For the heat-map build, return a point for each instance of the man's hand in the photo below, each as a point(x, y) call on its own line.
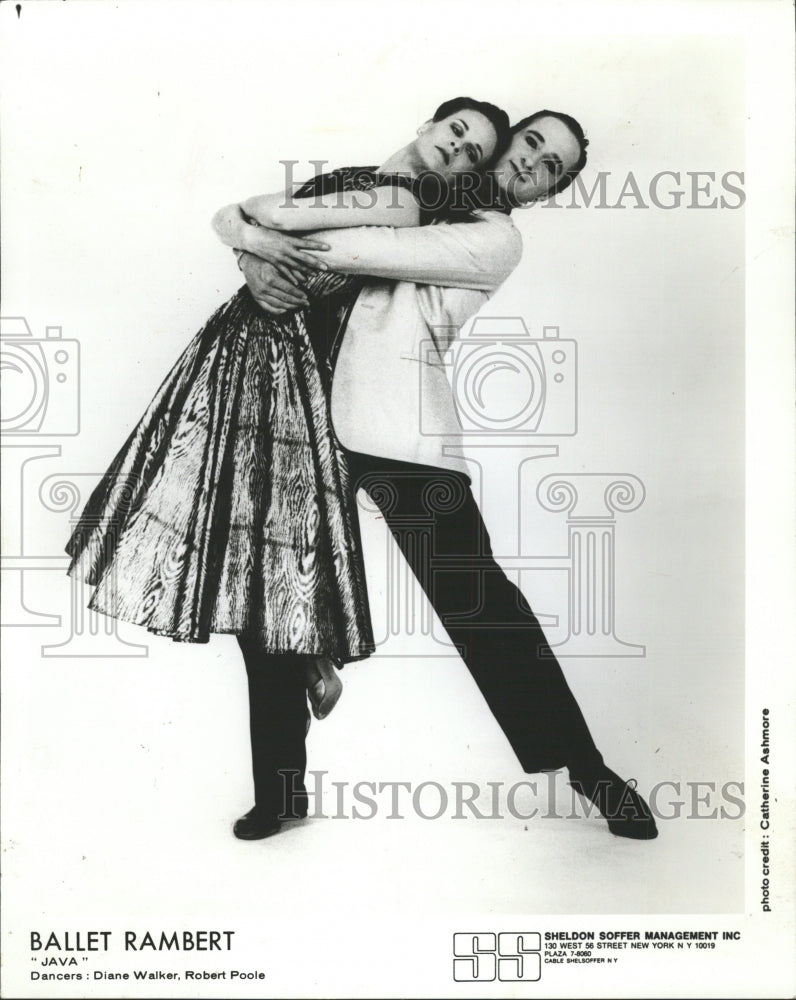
point(273, 292)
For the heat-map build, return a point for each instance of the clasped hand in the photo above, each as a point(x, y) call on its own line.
point(275, 264)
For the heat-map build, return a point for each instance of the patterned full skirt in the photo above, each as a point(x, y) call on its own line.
point(229, 508)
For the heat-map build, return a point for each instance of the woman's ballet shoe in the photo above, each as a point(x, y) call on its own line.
point(324, 687)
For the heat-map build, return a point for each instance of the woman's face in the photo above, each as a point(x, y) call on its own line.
point(464, 141)
point(538, 155)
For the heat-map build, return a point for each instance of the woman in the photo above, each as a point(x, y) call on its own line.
point(228, 508)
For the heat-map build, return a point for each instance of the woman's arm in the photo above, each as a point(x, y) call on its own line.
point(387, 205)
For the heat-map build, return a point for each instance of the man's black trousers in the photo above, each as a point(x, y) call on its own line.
point(437, 524)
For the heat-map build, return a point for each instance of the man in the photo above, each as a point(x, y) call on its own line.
point(439, 276)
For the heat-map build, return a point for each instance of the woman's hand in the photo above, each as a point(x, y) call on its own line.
point(271, 291)
point(288, 254)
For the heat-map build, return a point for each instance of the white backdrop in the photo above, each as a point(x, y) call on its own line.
point(124, 127)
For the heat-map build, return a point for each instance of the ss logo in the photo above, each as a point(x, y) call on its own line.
point(509, 957)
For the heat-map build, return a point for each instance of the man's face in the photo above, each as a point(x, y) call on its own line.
point(538, 156)
point(464, 141)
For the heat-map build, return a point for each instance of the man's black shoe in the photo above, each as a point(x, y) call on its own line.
point(628, 815)
point(259, 823)
point(256, 825)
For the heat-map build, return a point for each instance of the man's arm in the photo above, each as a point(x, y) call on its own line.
point(380, 206)
point(252, 223)
point(479, 254)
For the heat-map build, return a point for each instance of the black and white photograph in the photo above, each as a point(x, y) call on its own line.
point(397, 515)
